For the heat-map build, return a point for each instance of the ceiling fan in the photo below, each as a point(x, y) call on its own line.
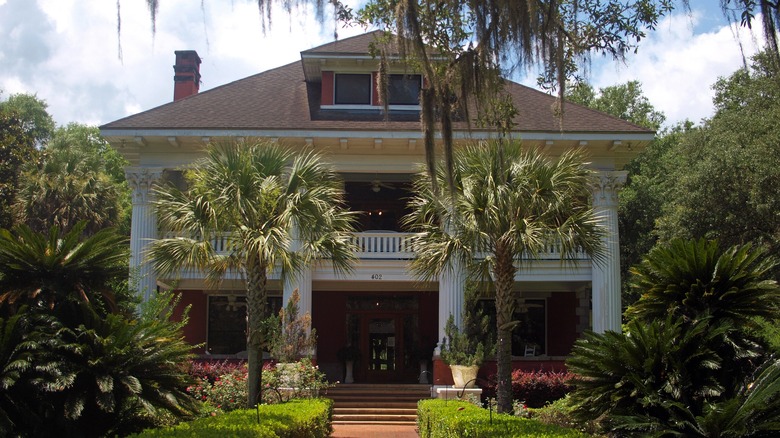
point(377, 185)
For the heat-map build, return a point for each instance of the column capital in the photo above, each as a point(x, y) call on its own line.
point(606, 187)
point(141, 180)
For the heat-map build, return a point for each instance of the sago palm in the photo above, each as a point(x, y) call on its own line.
point(698, 282)
point(119, 375)
point(54, 269)
point(262, 197)
point(508, 206)
point(695, 279)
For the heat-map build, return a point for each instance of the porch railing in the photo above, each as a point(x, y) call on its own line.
point(390, 245)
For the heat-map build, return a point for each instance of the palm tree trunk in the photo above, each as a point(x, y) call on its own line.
point(504, 272)
point(256, 312)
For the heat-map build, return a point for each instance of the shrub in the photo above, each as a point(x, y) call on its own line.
point(451, 419)
point(297, 380)
point(210, 370)
point(298, 418)
point(537, 388)
point(229, 391)
point(560, 413)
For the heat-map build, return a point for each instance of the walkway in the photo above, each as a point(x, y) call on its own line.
point(373, 431)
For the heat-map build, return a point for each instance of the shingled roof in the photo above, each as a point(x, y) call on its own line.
point(281, 99)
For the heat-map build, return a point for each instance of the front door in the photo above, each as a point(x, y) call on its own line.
point(385, 328)
point(383, 346)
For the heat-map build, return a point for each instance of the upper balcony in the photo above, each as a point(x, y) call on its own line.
point(392, 245)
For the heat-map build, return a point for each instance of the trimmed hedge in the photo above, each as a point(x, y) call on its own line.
point(457, 419)
point(310, 418)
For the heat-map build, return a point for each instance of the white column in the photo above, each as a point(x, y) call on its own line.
point(143, 228)
point(452, 285)
point(606, 275)
point(301, 281)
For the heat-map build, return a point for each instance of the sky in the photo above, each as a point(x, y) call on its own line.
point(67, 52)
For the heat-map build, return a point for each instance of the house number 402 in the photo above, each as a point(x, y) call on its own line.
point(376, 276)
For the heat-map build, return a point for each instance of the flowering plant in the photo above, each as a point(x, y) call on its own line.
point(520, 409)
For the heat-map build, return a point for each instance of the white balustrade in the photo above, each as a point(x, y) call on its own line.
point(390, 245)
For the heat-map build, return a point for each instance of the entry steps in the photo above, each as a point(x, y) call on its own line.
point(356, 403)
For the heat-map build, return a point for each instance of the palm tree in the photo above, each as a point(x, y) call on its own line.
point(75, 180)
point(55, 270)
point(508, 206)
point(263, 197)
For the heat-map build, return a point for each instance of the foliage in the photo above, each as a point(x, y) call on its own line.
point(475, 341)
point(293, 338)
point(17, 146)
point(444, 419)
point(300, 379)
point(538, 388)
point(275, 208)
point(560, 413)
point(309, 418)
point(120, 374)
point(458, 348)
point(661, 379)
point(624, 101)
point(228, 390)
point(210, 370)
point(643, 198)
point(691, 280)
point(25, 370)
point(54, 270)
point(688, 363)
point(79, 177)
point(507, 207)
point(100, 376)
point(36, 120)
point(725, 177)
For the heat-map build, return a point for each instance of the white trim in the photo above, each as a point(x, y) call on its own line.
point(375, 133)
point(371, 107)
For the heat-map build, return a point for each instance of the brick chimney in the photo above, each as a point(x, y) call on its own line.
point(186, 79)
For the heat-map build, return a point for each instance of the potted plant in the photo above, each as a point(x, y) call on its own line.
point(464, 349)
point(463, 355)
point(349, 355)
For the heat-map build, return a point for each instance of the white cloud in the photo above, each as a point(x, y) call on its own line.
point(67, 51)
point(677, 68)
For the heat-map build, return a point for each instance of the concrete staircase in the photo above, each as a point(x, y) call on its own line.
point(376, 404)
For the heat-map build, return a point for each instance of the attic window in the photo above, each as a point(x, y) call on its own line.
point(404, 89)
point(353, 89)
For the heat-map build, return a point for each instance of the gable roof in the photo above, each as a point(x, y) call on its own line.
point(281, 99)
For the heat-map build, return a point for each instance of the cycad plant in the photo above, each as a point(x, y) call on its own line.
point(54, 269)
point(687, 364)
point(276, 209)
point(120, 375)
point(506, 207)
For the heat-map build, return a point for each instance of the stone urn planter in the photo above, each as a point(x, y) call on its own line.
point(464, 376)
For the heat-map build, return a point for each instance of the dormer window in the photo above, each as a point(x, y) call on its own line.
point(359, 91)
point(353, 89)
point(404, 89)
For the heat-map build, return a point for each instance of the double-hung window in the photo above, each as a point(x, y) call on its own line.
point(353, 89)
